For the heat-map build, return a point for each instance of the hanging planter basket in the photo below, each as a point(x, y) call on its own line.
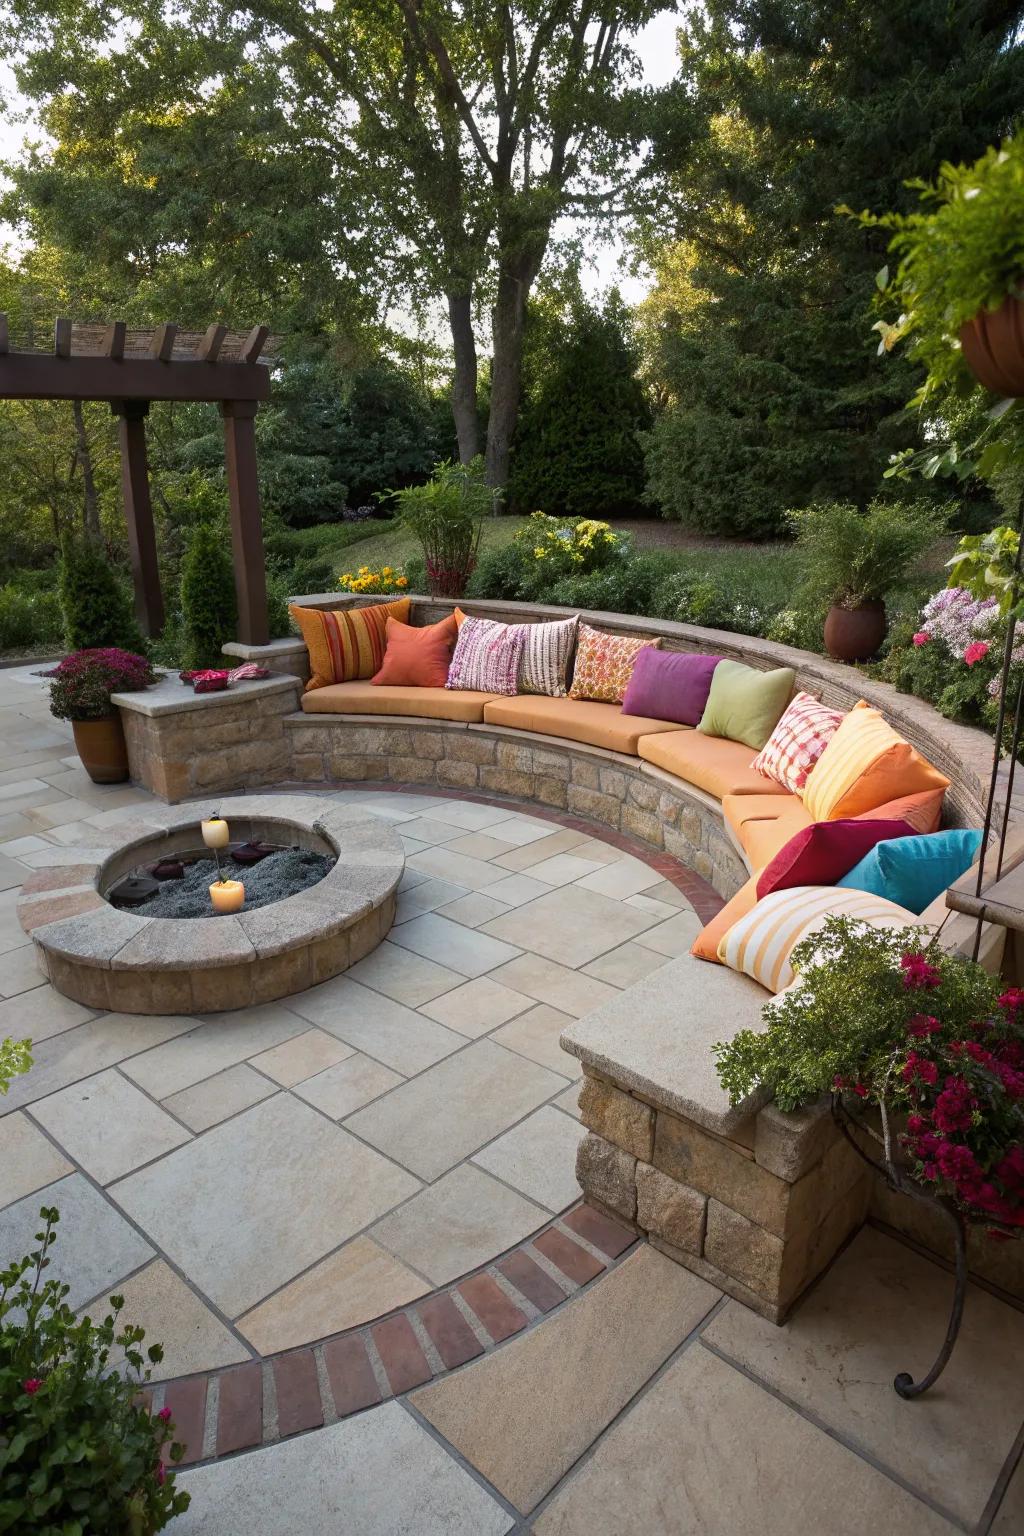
point(993, 347)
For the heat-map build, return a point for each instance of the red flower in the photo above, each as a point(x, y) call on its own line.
point(922, 637)
point(920, 1069)
point(32, 1385)
point(160, 1473)
point(954, 1106)
point(921, 1025)
point(976, 651)
point(860, 1090)
point(165, 1415)
point(918, 973)
point(1012, 1000)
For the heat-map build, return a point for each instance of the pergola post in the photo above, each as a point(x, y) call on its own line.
point(138, 509)
point(246, 523)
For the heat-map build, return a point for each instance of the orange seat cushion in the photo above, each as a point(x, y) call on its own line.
point(705, 945)
point(712, 763)
point(764, 824)
point(417, 656)
point(600, 725)
point(366, 698)
point(345, 644)
point(923, 811)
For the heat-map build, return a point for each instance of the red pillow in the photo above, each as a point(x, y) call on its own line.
point(418, 657)
point(824, 852)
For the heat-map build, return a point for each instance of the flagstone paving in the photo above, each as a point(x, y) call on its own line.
point(385, 1158)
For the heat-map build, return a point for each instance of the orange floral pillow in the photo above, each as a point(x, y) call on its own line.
point(604, 664)
point(346, 644)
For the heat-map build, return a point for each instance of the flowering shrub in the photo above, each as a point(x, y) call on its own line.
point(570, 546)
point(79, 1452)
point(952, 655)
point(386, 579)
point(891, 1019)
point(83, 683)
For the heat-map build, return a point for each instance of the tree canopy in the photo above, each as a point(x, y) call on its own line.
point(759, 327)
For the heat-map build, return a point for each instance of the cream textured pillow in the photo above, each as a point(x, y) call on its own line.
point(761, 943)
point(546, 655)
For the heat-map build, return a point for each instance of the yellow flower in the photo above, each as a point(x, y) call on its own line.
point(540, 552)
point(402, 581)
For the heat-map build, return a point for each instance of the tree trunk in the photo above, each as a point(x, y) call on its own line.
point(515, 278)
point(460, 316)
point(91, 505)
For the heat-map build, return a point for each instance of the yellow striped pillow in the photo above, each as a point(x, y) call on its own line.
point(346, 644)
point(761, 943)
point(864, 765)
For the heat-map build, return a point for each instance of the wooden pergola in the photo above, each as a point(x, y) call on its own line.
point(130, 369)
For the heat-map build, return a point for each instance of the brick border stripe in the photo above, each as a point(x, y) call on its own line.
point(237, 1408)
point(701, 895)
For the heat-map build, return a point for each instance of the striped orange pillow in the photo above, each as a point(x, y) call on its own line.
point(865, 765)
point(346, 644)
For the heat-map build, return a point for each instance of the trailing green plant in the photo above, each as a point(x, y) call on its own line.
point(95, 605)
point(209, 608)
point(15, 1058)
point(963, 254)
point(446, 515)
point(890, 1019)
point(848, 557)
point(82, 684)
point(81, 1454)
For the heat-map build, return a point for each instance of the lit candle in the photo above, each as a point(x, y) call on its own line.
point(227, 895)
point(215, 832)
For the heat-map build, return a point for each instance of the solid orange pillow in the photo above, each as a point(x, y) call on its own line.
point(417, 657)
point(705, 945)
point(345, 644)
point(922, 811)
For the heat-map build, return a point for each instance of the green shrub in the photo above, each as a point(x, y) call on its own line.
point(28, 618)
point(208, 604)
point(79, 1453)
point(627, 586)
point(94, 604)
point(15, 1058)
point(848, 557)
point(278, 621)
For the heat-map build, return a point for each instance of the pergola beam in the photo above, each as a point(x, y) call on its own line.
point(113, 341)
point(43, 376)
point(209, 347)
point(62, 336)
point(163, 342)
point(254, 343)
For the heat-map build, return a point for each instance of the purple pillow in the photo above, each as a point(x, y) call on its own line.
point(669, 685)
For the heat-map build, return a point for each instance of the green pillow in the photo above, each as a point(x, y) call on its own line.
point(745, 704)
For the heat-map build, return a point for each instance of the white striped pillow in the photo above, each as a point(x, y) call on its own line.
point(545, 665)
point(760, 944)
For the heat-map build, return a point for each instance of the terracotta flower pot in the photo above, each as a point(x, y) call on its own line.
point(993, 344)
point(102, 748)
point(855, 634)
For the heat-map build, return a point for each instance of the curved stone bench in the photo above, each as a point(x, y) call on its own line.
point(752, 1199)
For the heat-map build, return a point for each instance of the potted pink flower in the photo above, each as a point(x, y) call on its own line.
point(81, 688)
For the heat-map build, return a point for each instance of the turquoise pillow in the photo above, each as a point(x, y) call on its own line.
point(912, 871)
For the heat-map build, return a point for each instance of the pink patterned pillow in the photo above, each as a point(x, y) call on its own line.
point(487, 656)
point(797, 742)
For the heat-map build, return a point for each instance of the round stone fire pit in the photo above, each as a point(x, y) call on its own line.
point(117, 958)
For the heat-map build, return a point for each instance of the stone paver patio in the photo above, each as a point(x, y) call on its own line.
point(258, 1180)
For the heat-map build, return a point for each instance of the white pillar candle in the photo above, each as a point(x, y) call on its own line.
point(227, 895)
point(215, 832)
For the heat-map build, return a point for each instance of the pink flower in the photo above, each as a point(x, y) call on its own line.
point(165, 1415)
point(160, 1472)
point(976, 651)
point(922, 637)
point(31, 1386)
point(918, 973)
point(918, 1067)
point(860, 1090)
point(922, 1024)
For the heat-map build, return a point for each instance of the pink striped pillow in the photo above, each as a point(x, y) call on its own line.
point(487, 657)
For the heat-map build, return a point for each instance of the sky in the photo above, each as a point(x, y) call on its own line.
point(655, 46)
